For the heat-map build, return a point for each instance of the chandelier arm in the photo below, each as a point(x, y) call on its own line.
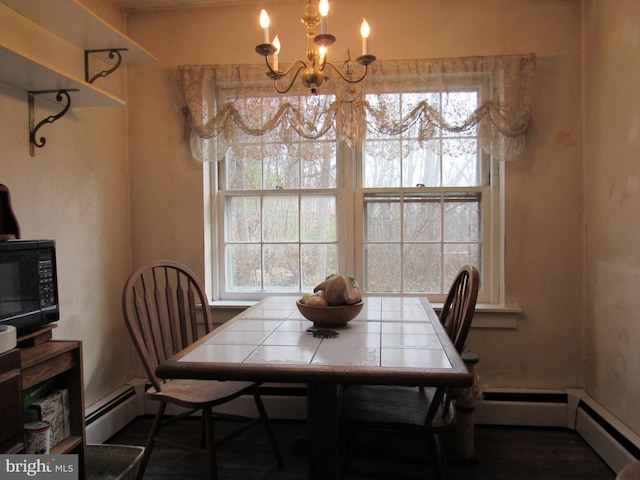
point(345, 78)
point(277, 74)
point(295, 75)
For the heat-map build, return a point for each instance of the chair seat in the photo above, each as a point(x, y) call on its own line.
point(393, 407)
point(199, 393)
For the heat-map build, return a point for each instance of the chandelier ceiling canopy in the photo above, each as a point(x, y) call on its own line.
point(313, 71)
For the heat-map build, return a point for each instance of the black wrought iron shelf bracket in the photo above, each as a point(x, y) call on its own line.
point(61, 94)
point(113, 53)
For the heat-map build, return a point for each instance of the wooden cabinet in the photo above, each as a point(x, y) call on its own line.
point(29, 366)
point(11, 433)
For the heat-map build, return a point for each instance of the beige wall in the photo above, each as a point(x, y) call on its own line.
point(612, 205)
point(74, 190)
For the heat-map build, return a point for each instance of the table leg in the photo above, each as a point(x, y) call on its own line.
point(322, 424)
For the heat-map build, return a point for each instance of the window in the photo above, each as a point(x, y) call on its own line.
point(399, 215)
point(425, 211)
point(280, 208)
point(398, 185)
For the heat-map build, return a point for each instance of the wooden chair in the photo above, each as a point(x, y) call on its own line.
point(161, 302)
point(425, 412)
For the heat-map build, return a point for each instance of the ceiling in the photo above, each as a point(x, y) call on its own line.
point(154, 4)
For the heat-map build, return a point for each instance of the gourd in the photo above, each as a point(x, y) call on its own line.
point(340, 290)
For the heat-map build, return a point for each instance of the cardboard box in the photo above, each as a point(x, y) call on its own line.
point(52, 408)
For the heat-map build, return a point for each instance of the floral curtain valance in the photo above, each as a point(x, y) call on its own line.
point(225, 103)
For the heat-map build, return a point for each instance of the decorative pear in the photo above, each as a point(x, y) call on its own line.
point(340, 290)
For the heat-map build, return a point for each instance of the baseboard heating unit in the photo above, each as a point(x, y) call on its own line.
point(574, 409)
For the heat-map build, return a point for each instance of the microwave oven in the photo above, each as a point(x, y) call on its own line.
point(28, 284)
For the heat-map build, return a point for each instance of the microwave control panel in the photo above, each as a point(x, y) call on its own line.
point(46, 272)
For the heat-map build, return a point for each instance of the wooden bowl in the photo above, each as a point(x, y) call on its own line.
point(330, 316)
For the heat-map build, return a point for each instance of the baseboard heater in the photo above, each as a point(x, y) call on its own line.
point(108, 416)
point(110, 404)
point(613, 441)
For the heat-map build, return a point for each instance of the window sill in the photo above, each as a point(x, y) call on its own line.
point(486, 316)
point(492, 316)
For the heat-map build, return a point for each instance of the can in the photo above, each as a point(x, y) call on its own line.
point(37, 437)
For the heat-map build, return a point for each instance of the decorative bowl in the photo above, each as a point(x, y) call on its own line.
point(330, 316)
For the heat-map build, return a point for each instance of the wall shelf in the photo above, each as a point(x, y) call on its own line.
point(72, 21)
point(75, 23)
point(27, 73)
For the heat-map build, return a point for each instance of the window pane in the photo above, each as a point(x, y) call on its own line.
point(318, 222)
point(382, 267)
point(382, 219)
point(319, 260)
point(422, 219)
point(462, 220)
point(422, 268)
point(460, 163)
point(280, 169)
point(281, 267)
point(280, 219)
point(319, 165)
point(243, 219)
point(381, 164)
point(457, 255)
point(243, 267)
point(456, 107)
point(244, 172)
point(421, 166)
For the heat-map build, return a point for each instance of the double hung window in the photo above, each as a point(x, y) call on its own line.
point(400, 215)
point(279, 205)
point(397, 181)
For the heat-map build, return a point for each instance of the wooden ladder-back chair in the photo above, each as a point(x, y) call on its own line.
point(418, 411)
point(162, 303)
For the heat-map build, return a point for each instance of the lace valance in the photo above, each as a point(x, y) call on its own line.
point(225, 103)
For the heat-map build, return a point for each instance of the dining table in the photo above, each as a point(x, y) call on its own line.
point(394, 340)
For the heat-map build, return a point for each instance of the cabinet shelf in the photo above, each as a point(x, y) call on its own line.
point(62, 361)
point(72, 21)
point(67, 445)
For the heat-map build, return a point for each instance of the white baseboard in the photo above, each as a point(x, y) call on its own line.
point(534, 414)
point(574, 409)
point(613, 441)
point(106, 417)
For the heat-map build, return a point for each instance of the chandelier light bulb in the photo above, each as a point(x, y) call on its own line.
point(322, 52)
point(264, 23)
point(364, 32)
point(323, 6)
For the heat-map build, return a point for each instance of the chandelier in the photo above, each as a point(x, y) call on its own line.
point(313, 72)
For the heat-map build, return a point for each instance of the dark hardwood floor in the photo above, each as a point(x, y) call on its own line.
point(503, 453)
